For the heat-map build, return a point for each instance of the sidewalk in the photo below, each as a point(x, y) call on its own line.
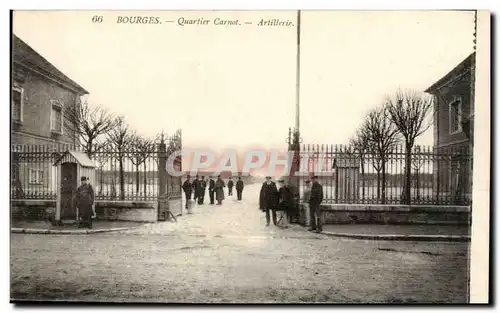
point(44, 227)
point(400, 232)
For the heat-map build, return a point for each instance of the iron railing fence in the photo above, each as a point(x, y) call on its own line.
point(129, 174)
point(436, 176)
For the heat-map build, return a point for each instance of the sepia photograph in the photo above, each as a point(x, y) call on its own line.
point(249, 157)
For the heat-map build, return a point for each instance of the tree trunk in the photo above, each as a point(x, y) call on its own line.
point(417, 183)
point(89, 147)
point(101, 180)
point(407, 189)
point(362, 180)
point(137, 178)
point(383, 178)
point(145, 181)
point(122, 178)
point(378, 184)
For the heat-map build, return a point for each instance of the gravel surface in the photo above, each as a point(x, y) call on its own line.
point(226, 254)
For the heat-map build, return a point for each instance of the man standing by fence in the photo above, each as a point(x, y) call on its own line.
point(314, 205)
point(239, 188)
point(269, 200)
point(306, 196)
point(84, 202)
point(285, 202)
point(188, 188)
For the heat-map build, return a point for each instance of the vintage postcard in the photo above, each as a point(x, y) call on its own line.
point(250, 156)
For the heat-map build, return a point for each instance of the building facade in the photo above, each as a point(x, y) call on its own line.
point(454, 132)
point(40, 95)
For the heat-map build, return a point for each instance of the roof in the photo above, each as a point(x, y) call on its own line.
point(461, 68)
point(72, 156)
point(346, 163)
point(24, 54)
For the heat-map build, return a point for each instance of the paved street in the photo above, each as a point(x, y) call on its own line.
point(226, 254)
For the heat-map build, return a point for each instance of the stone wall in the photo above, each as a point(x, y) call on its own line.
point(395, 214)
point(127, 211)
point(105, 210)
point(33, 209)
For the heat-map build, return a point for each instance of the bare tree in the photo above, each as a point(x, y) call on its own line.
point(408, 111)
point(142, 148)
point(120, 139)
point(101, 155)
point(359, 144)
point(381, 137)
point(88, 122)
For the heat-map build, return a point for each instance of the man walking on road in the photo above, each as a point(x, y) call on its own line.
point(314, 205)
point(188, 189)
point(239, 188)
point(269, 199)
point(230, 185)
point(211, 190)
point(84, 202)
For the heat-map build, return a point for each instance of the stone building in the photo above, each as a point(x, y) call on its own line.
point(454, 132)
point(39, 97)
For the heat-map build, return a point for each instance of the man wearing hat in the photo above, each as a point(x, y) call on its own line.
point(188, 189)
point(84, 202)
point(211, 190)
point(230, 185)
point(196, 190)
point(269, 199)
point(202, 185)
point(219, 190)
point(314, 205)
point(239, 188)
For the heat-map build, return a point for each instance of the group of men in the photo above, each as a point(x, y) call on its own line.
point(197, 189)
point(284, 200)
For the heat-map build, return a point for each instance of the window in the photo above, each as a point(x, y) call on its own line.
point(56, 118)
point(17, 104)
point(35, 176)
point(455, 115)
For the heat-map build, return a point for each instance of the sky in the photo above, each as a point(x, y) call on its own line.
point(235, 87)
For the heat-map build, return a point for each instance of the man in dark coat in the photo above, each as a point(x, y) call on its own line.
point(285, 201)
point(84, 202)
point(219, 190)
point(202, 186)
point(269, 199)
point(211, 190)
point(239, 188)
point(315, 200)
point(230, 185)
point(195, 184)
point(188, 189)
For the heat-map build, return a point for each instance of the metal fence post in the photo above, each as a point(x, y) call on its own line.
point(162, 180)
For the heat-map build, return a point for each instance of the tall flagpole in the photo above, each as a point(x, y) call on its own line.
point(297, 106)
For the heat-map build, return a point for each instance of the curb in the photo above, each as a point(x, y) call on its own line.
point(67, 232)
point(450, 238)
